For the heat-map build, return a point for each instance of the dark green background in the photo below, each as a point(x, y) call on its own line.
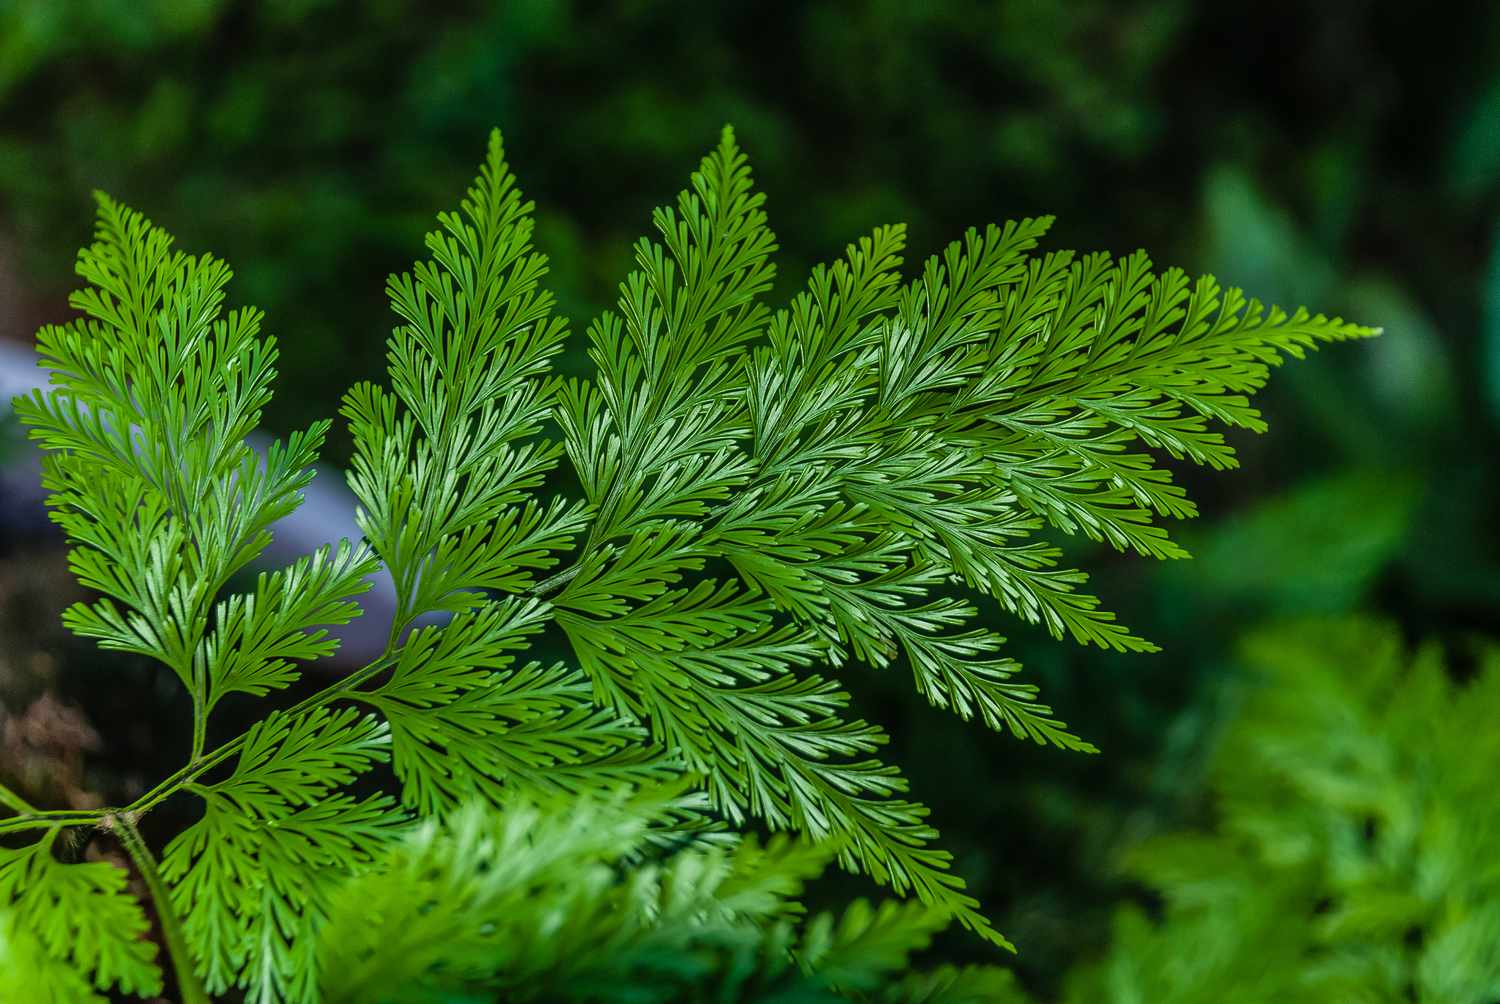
point(1344, 155)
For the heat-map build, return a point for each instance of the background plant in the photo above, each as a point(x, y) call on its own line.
point(527, 903)
point(1353, 846)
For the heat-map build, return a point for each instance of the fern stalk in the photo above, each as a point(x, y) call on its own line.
point(44, 819)
point(200, 727)
point(15, 801)
point(189, 986)
point(191, 772)
point(35, 819)
point(553, 583)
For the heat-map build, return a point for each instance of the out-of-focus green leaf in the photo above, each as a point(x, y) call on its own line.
point(1409, 374)
point(1354, 853)
point(1249, 237)
point(1474, 160)
point(1491, 344)
point(1317, 548)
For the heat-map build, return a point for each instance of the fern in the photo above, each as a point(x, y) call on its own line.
point(530, 903)
point(767, 495)
point(71, 920)
point(1354, 856)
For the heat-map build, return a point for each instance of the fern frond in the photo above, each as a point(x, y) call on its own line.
point(29, 973)
point(77, 918)
point(250, 876)
point(251, 888)
point(764, 493)
point(533, 901)
point(1353, 853)
point(856, 951)
point(256, 636)
point(154, 391)
point(464, 722)
point(445, 462)
point(886, 441)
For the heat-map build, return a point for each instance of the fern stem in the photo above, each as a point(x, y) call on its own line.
point(189, 987)
point(200, 727)
point(45, 819)
point(202, 765)
point(555, 582)
point(15, 801)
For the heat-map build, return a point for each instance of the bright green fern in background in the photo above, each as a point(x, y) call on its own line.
point(528, 904)
point(1355, 855)
point(768, 496)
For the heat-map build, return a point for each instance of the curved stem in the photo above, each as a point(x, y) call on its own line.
point(194, 770)
point(15, 801)
point(35, 820)
point(189, 987)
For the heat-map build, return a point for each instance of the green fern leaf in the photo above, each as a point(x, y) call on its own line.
point(78, 917)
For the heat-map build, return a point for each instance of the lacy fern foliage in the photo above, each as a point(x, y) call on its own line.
point(768, 495)
point(1355, 847)
point(528, 903)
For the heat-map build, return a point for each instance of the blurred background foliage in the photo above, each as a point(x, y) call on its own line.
point(1343, 154)
point(1351, 856)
